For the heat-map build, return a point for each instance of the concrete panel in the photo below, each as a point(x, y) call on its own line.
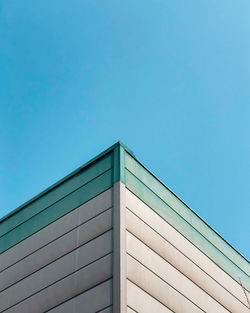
point(159, 289)
point(57, 270)
point(142, 302)
point(56, 229)
point(183, 264)
point(169, 274)
point(56, 249)
point(69, 287)
point(187, 248)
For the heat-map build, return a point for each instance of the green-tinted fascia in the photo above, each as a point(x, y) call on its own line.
point(119, 164)
point(56, 210)
point(117, 146)
point(171, 208)
point(73, 182)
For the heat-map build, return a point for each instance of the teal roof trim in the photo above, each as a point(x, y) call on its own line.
point(56, 210)
point(63, 190)
point(117, 145)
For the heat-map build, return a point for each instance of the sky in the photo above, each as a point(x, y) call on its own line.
point(170, 79)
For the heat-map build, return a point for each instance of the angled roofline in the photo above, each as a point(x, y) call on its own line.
point(91, 162)
point(61, 181)
point(162, 183)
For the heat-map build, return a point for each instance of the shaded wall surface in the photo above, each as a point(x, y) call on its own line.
point(56, 251)
point(68, 260)
point(111, 237)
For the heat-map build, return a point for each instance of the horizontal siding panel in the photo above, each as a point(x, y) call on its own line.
point(173, 277)
point(183, 264)
point(207, 272)
point(56, 229)
point(57, 270)
point(174, 219)
point(140, 301)
point(69, 287)
point(90, 301)
point(57, 210)
point(56, 249)
point(192, 218)
point(56, 194)
point(129, 310)
point(158, 289)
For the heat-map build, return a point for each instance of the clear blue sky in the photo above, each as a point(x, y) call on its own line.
point(171, 79)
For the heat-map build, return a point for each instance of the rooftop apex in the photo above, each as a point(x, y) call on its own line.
point(118, 163)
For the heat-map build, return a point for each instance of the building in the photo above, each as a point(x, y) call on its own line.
point(111, 237)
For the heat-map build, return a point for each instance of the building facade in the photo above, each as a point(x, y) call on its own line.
point(111, 237)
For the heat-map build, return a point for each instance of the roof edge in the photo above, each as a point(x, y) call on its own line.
point(91, 162)
point(162, 183)
point(62, 180)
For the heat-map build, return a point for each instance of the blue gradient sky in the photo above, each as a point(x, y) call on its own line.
point(171, 79)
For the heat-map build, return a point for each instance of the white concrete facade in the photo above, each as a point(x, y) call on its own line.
point(114, 254)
